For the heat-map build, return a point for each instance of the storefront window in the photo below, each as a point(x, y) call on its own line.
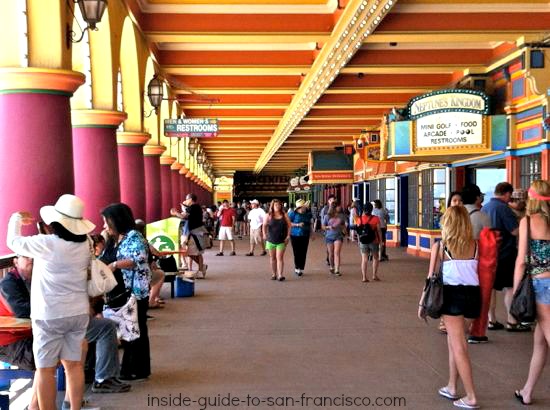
point(431, 198)
point(530, 170)
point(389, 198)
point(413, 207)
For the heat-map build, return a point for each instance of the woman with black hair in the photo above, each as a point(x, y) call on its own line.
point(132, 256)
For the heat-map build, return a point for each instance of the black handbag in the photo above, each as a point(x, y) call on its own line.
point(523, 306)
point(432, 303)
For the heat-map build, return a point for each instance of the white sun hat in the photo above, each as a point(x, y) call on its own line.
point(68, 211)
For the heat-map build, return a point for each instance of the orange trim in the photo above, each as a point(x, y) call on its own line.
point(132, 138)
point(176, 166)
point(82, 118)
point(33, 78)
point(153, 150)
point(167, 160)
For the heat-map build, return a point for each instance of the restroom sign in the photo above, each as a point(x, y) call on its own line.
point(191, 127)
point(449, 129)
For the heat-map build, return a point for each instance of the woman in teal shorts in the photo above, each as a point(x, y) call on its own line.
point(276, 230)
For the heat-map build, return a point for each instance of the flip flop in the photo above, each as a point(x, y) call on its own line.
point(444, 391)
point(519, 396)
point(463, 405)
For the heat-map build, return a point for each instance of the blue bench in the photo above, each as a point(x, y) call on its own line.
point(13, 374)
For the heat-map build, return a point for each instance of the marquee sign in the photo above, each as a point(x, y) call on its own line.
point(191, 127)
point(451, 100)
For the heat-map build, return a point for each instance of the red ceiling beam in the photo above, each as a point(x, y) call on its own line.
point(274, 81)
point(396, 56)
point(464, 22)
point(223, 23)
point(228, 58)
point(391, 80)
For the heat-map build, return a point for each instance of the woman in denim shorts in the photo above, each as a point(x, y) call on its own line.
point(334, 225)
point(534, 255)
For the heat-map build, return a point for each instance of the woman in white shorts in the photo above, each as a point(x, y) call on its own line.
point(59, 297)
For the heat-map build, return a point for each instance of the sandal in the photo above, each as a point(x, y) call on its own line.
point(495, 326)
point(273, 277)
point(519, 396)
point(442, 328)
point(464, 405)
point(444, 391)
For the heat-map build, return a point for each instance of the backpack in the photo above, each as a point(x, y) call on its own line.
point(367, 235)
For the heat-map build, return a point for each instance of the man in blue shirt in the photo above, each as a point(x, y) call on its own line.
point(504, 220)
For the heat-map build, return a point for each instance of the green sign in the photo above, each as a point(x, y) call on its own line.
point(163, 235)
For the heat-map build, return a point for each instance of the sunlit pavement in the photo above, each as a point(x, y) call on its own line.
point(246, 337)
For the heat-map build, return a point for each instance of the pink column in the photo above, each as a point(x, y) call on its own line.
point(166, 185)
point(175, 180)
point(96, 173)
point(36, 150)
point(153, 191)
point(132, 171)
point(184, 186)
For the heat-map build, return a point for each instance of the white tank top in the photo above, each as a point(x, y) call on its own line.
point(460, 271)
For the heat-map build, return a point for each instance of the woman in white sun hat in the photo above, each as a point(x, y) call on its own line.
point(59, 298)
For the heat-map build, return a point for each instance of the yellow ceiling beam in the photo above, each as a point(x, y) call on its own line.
point(233, 37)
point(405, 68)
point(442, 37)
point(358, 20)
point(238, 91)
point(193, 106)
point(289, 91)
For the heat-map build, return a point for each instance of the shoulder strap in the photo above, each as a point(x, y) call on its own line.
point(473, 211)
point(528, 236)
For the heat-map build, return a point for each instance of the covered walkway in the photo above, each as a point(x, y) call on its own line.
point(243, 334)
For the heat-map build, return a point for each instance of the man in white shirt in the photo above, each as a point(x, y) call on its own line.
point(256, 218)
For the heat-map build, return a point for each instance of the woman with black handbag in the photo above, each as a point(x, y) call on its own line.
point(132, 258)
point(534, 260)
point(458, 256)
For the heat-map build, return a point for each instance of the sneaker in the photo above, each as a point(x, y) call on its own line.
point(473, 340)
point(232, 254)
point(249, 254)
point(331, 271)
point(263, 253)
point(133, 378)
point(337, 273)
point(300, 272)
point(517, 327)
point(219, 254)
point(297, 272)
point(110, 386)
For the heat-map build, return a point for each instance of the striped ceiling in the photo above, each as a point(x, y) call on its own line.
point(253, 64)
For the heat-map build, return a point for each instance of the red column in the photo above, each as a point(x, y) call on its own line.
point(175, 180)
point(153, 191)
point(460, 179)
point(96, 176)
point(166, 185)
point(184, 186)
point(513, 170)
point(36, 150)
point(545, 164)
point(132, 170)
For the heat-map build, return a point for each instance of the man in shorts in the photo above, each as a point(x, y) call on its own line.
point(256, 217)
point(370, 250)
point(226, 214)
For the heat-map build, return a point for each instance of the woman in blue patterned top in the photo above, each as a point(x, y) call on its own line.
point(132, 258)
point(300, 221)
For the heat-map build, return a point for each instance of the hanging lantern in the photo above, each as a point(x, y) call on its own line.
point(155, 92)
point(192, 146)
